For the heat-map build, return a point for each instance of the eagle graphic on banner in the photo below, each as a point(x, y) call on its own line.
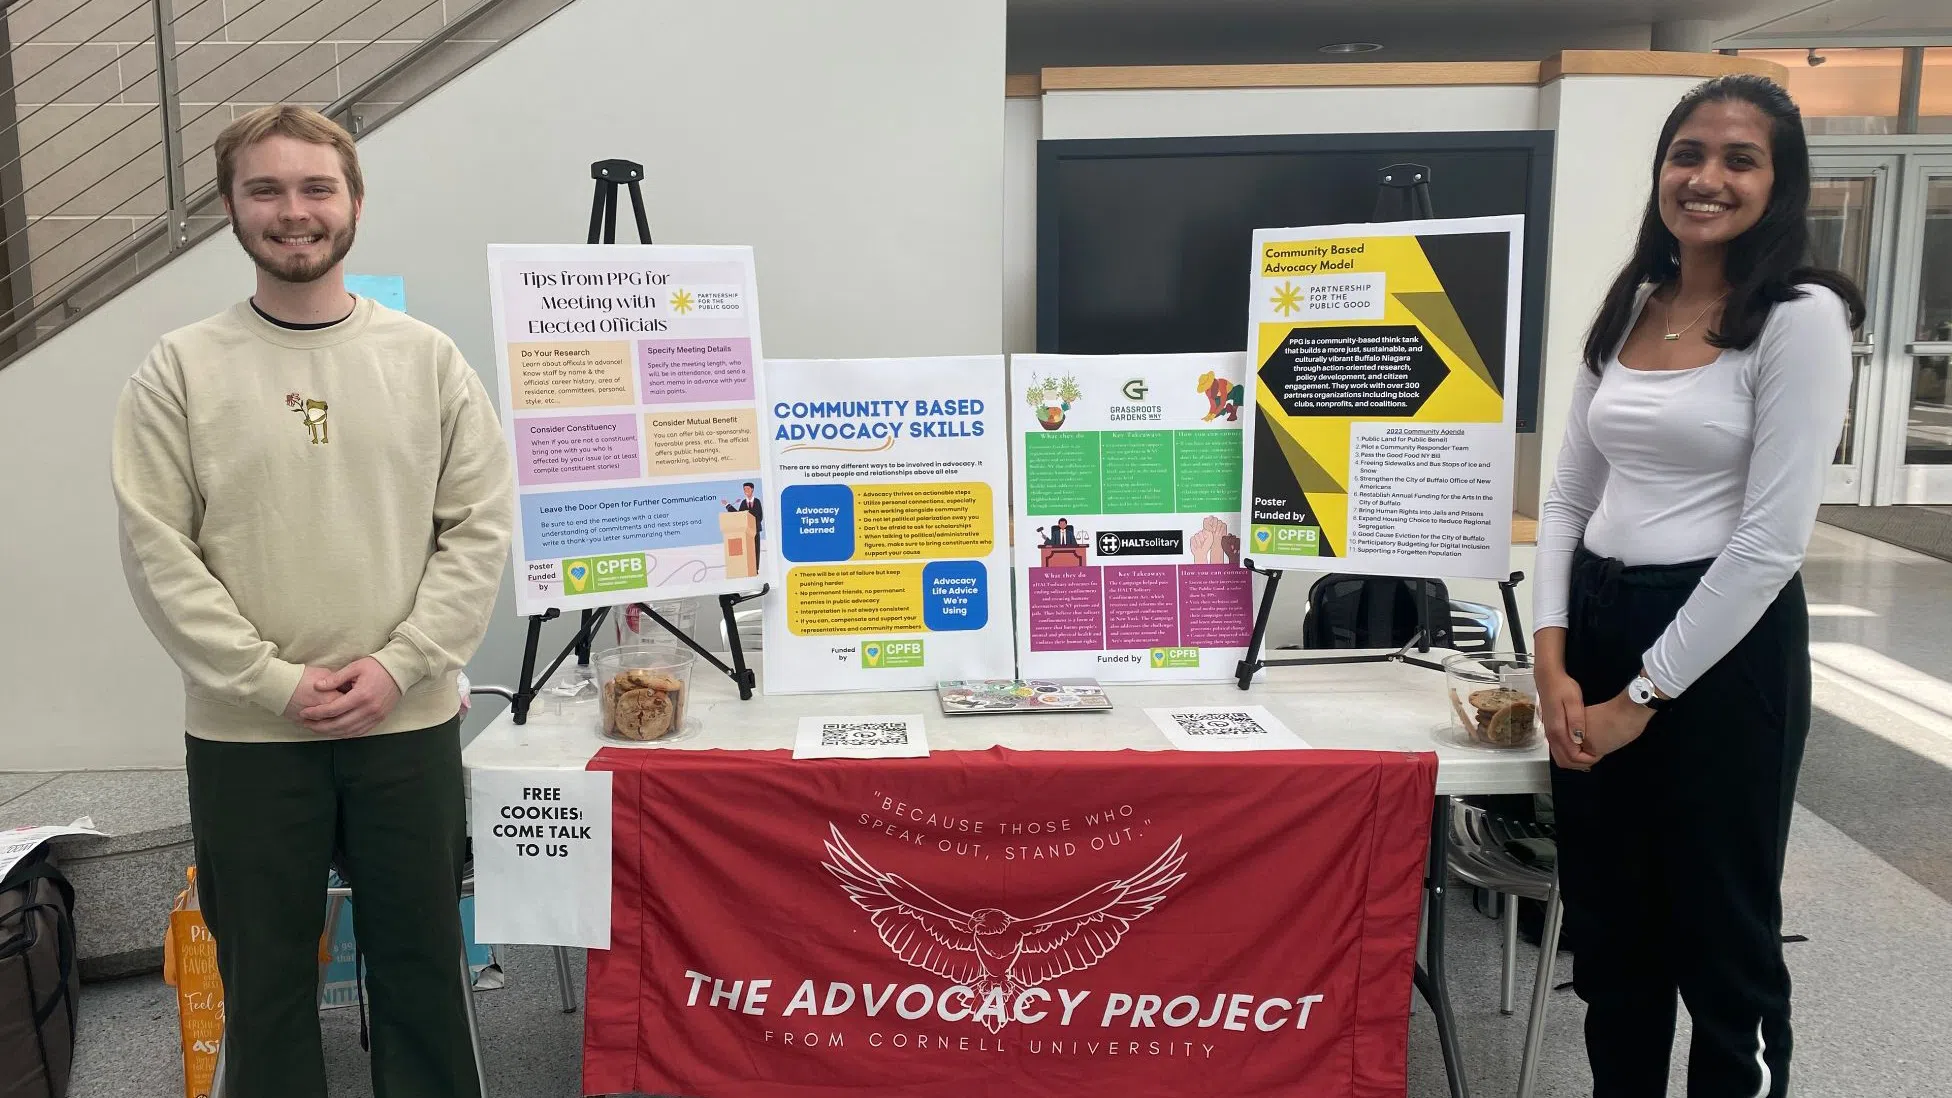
point(989, 948)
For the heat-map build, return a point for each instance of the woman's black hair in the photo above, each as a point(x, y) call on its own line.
point(1765, 265)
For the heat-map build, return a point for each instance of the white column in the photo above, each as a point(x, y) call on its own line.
point(1685, 35)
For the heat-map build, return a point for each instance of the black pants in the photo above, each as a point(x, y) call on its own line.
point(268, 819)
point(1671, 849)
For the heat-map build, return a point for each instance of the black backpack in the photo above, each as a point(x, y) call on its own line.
point(37, 979)
point(1347, 611)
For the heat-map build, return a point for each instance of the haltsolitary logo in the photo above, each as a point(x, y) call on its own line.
point(891, 654)
point(1141, 543)
point(591, 575)
point(992, 953)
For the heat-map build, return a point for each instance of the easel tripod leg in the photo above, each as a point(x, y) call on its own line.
point(1431, 979)
point(1251, 663)
point(742, 675)
point(637, 207)
point(525, 686)
point(585, 638)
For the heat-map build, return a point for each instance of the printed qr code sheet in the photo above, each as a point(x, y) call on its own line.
point(851, 734)
point(1245, 728)
point(1231, 723)
point(871, 737)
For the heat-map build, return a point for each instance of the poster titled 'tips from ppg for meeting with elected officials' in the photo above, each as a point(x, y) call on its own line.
point(1381, 410)
point(630, 392)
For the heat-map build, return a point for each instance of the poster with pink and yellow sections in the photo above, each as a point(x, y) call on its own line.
point(631, 394)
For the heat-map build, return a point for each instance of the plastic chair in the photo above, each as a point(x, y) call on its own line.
point(1474, 627)
point(1480, 856)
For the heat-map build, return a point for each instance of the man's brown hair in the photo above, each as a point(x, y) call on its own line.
point(301, 123)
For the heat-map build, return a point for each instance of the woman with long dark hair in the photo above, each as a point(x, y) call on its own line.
point(1673, 640)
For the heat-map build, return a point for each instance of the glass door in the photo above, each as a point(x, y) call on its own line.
point(1850, 230)
point(1916, 429)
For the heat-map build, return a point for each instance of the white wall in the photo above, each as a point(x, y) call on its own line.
point(857, 144)
point(1023, 121)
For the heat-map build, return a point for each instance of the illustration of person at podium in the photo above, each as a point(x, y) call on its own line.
point(1061, 547)
point(750, 504)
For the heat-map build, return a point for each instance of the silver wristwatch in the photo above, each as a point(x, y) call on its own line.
point(1641, 692)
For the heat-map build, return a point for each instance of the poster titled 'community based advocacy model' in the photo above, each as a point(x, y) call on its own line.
point(631, 394)
point(1381, 411)
point(1128, 521)
point(893, 543)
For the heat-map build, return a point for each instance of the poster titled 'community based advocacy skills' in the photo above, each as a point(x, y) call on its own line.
point(1381, 410)
point(631, 395)
point(1128, 521)
point(892, 541)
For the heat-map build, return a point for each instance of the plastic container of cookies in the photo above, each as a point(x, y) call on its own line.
point(643, 689)
point(1494, 701)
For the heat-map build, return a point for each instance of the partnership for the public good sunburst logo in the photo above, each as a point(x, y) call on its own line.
point(681, 302)
point(1286, 299)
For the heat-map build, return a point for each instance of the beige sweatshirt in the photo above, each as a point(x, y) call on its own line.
point(311, 497)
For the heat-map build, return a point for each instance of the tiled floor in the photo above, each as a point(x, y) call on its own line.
point(1869, 884)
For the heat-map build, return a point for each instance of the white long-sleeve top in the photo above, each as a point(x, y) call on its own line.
point(1725, 461)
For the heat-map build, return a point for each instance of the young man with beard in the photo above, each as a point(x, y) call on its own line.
point(316, 499)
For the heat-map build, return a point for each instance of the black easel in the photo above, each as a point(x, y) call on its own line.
point(609, 175)
point(1402, 194)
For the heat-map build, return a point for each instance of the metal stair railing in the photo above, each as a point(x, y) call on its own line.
point(76, 227)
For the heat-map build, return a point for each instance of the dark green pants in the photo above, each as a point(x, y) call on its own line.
point(269, 819)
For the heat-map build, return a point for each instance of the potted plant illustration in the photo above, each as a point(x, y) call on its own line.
point(1051, 398)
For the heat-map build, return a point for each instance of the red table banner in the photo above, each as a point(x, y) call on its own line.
point(1010, 923)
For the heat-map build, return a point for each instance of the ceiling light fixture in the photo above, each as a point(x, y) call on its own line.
point(1815, 58)
point(1350, 47)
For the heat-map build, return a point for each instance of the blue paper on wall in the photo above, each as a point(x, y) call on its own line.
point(388, 290)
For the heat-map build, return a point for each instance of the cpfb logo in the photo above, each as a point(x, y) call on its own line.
point(871, 655)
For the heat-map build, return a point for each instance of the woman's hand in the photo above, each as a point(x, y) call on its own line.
point(1563, 708)
point(1614, 724)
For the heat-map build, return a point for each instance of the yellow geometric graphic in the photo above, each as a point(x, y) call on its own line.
point(681, 301)
point(1440, 320)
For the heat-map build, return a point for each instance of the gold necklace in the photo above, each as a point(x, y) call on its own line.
point(1667, 315)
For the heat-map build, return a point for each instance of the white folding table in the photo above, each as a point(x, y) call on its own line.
point(1385, 706)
